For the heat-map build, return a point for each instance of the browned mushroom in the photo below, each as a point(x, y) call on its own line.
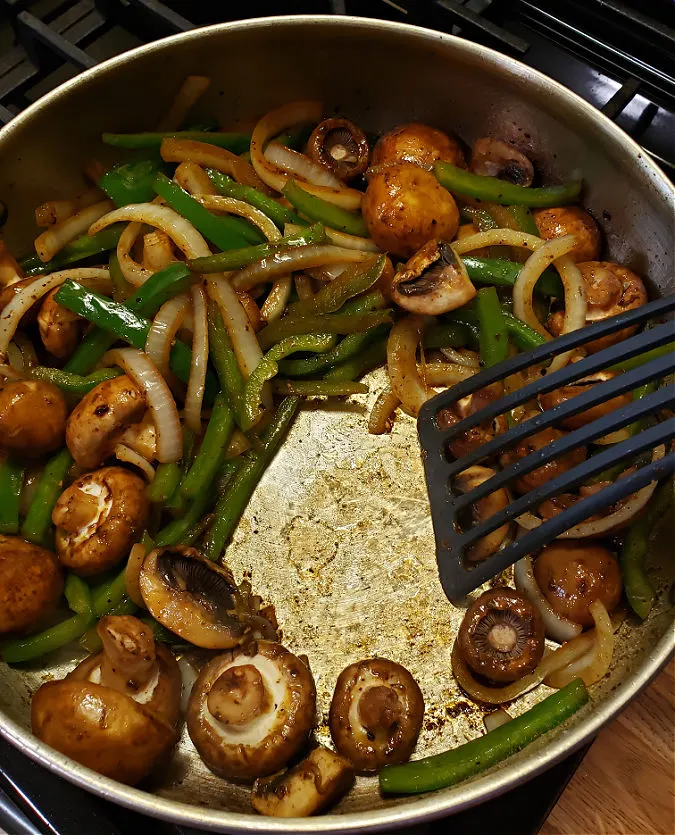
point(494, 158)
point(304, 789)
point(32, 417)
point(570, 220)
point(405, 206)
point(118, 710)
point(466, 481)
point(199, 600)
point(553, 399)
point(417, 144)
point(60, 328)
point(610, 289)
point(341, 146)
point(433, 281)
point(502, 635)
point(541, 475)
point(251, 710)
point(98, 518)
point(376, 714)
point(467, 406)
point(572, 575)
point(31, 581)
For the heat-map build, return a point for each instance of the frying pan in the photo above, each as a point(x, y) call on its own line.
point(338, 533)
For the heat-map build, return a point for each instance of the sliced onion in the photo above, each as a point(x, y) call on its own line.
point(346, 198)
point(157, 252)
point(218, 203)
point(15, 359)
point(327, 272)
point(594, 664)
point(54, 211)
point(244, 341)
point(133, 272)
point(277, 299)
point(614, 437)
point(558, 628)
point(10, 271)
point(210, 156)
point(132, 573)
point(445, 373)
point(272, 124)
point(351, 241)
point(20, 304)
point(130, 456)
point(496, 719)
point(191, 90)
point(497, 237)
point(303, 287)
point(463, 356)
point(252, 310)
point(381, 417)
point(295, 258)
point(164, 327)
point(406, 381)
point(301, 166)
point(575, 305)
point(193, 179)
point(200, 357)
point(160, 400)
point(53, 239)
point(238, 443)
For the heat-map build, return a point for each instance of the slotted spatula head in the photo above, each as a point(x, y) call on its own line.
point(453, 496)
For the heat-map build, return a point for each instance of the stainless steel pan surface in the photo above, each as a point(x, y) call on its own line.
point(338, 534)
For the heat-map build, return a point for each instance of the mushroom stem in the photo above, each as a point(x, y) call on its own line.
point(238, 696)
point(128, 661)
point(380, 708)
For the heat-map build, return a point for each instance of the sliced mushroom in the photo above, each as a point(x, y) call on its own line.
point(341, 146)
point(199, 600)
point(556, 398)
point(433, 281)
point(98, 518)
point(251, 710)
point(483, 509)
point(32, 418)
point(95, 424)
point(141, 437)
point(502, 635)
point(31, 581)
point(117, 711)
point(304, 789)
point(494, 158)
point(467, 406)
point(548, 471)
point(376, 714)
point(59, 327)
point(572, 575)
point(417, 144)
point(570, 220)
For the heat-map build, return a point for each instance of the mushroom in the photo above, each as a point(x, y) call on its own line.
point(95, 424)
point(570, 220)
point(199, 600)
point(501, 635)
point(610, 289)
point(8, 292)
point(417, 144)
point(467, 406)
point(572, 575)
point(541, 475)
point(341, 146)
point(306, 788)
point(405, 206)
point(376, 714)
point(32, 417)
point(59, 327)
point(557, 397)
point(433, 281)
point(31, 581)
point(483, 509)
point(251, 709)
point(116, 712)
point(98, 518)
point(494, 158)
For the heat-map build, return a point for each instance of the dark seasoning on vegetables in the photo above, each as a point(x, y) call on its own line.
point(155, 350)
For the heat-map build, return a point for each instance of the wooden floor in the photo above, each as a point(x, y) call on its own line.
point(625, 785)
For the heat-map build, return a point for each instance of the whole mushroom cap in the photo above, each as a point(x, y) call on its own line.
point(31, 581)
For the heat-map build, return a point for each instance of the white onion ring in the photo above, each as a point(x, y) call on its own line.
point(157, 252)
point(15, 359)
point(130, 456)
point(218, 203)
point(166, 324)
point(406, 382)
point(300, 165)
point(303, 287)
point(192, 89)
point(193, 179)
point(445, 373)
point(381, 415)
point(277, 299)
point(53, 239)
point(160, 400)
point(211, 156)
point(132, 572)
point(238, 443)
point(237, 324)
point(351, 241)
point(200, 356)
point(133, 272)
point(593, 664)
point(462, 357)
point(495, 720)
point(614, 437)
point(497, 237)
point(558, 628)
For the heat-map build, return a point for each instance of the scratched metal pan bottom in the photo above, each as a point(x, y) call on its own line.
point(338, 535)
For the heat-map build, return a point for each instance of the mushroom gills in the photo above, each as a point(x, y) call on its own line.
point(340, 145)
point(419, 285)
point(210, 590)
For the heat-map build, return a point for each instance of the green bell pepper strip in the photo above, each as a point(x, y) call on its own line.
point(525, 337)
point(524, 220)
point(493, 339)
point(492, 189)
point(234, 142)
point(165, 483)
point(235, 259)
point(277, 213)
point(108, 595)
point(321, 211)
point(175, 532)
point(132, 182)
point(227, 232)
point(361, 364)
point(78, 595)
point(347, 348)
point(638, 394)
point(325, 323)
point(354, 281)
point(73, 383)
point(222, 355)
point(636, 583)
point(11, 483)
point(77, 250)
point(128, 326)
point(50, 486)
point(268, 368)
point(480, 218)
point(318, 388)
point(641, 359)
point(176, 502)
point(502, 273)
point(232, 503)
point(445, 335)
point(213, 448)
point(450, 767)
